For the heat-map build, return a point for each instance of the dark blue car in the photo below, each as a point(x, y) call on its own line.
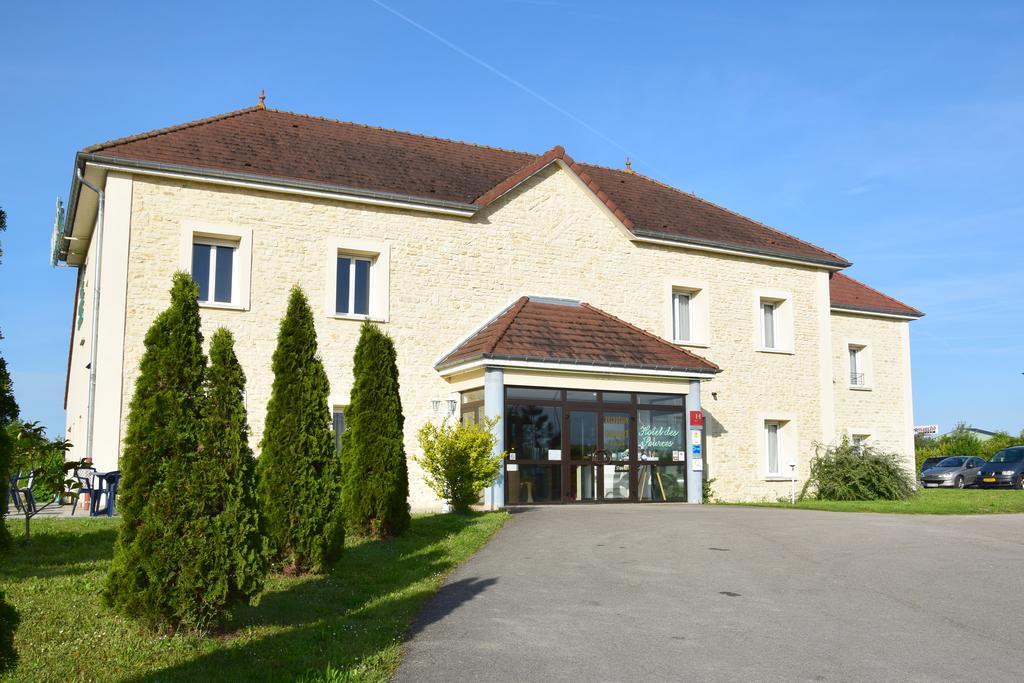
point(1005, 469)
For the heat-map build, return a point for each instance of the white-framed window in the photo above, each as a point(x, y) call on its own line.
point(687, 312)
point(352, 285)
point(213, 269)
point(682, 319)
point(859, 441)
point(773, 449)
point(769, 327)
point(219, 257)
point(778, 446)
point(357, 279)
point(338, 426)
point(773, 318)
point(858, 356)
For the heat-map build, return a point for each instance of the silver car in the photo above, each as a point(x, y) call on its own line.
point(956, 471)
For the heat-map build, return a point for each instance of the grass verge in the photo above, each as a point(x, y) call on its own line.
point(924, 502)
point(346, 625)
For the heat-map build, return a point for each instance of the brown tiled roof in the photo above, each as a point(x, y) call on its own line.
point(296, 147)
point(851, 294)
point(563, 331)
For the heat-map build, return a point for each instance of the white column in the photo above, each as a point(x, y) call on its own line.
point(694, 479)
point(494, 406)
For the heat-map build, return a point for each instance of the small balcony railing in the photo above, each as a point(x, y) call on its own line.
point(856, 379)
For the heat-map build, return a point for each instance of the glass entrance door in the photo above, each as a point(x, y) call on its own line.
point(601, 459)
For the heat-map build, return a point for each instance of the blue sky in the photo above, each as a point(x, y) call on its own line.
point(888, 132)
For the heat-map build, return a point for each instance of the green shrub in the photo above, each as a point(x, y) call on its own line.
point(459, 460)
point(163, 426)
point(299, 470)
point(376, 486)
point(848, 472)
point(707, 490)
point(8, 624)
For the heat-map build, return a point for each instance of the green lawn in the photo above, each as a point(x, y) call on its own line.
point(925, 502)
point(343, 626)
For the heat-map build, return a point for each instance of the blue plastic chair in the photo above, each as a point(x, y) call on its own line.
point(107, 489)
point(22, 495)
point(86, 477)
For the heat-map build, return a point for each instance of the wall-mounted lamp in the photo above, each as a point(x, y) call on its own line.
point(714, 395)
point(448, 406)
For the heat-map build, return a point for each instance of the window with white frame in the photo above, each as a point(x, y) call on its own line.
point(773, 448)
point(858, 355)
point(769, 324)
point(682, 316)
point(773, 317)
point(213, 269)
point(859, 441)
point(357, 281)
point(352, 285)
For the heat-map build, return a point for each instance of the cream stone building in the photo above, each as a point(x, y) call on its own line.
point(633, 339)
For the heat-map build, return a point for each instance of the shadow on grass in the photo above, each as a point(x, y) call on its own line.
point(59, 548)
point(344, 620)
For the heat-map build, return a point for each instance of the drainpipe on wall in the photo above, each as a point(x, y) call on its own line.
point(98, 255)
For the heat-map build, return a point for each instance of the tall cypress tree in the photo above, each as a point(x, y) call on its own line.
point(202, 527)
point(163, 424)
point(376, 475)
point(299, 471)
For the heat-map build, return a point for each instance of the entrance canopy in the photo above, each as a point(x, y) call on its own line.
point(569, 335)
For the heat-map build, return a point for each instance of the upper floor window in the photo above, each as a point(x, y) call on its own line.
point(357, 278)
point(858, 365)
point(768, 324)
point(352, 288)
point(213, 269)
point(682, 320)
point(687, 315)
point(774, 321)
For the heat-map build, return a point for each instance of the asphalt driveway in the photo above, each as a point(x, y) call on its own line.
point(677, 592)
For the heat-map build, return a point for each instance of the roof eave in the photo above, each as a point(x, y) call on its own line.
point(570, 362)
point(868, 310)
point(829, 264)
point(463, 209)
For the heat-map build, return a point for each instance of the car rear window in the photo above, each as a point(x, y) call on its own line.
point(1009, 455)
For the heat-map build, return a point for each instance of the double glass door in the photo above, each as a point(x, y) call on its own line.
point(601, 448)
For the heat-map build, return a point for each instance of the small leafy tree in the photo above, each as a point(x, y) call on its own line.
point(376, 488)
point(459, 460)
point(299, 470)
point(857, 472)
point(52, 480)
point(163, 425)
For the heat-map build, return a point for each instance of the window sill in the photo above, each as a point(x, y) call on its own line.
point(355, 318)
point(779, 477)
point(221, 306)
point(694, 344)
point(859, 388)
point(784, 352)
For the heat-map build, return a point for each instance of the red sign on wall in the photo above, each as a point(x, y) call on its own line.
point(696, 418)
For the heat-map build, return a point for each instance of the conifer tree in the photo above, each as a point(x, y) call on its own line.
point(376, 476)
point(163, 425)
point(8, 412)
point(202, 526)
point(299, 471)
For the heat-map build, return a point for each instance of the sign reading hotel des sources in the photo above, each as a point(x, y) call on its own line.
point(658, 436)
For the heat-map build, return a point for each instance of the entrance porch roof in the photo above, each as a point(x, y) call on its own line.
point(570, 333)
